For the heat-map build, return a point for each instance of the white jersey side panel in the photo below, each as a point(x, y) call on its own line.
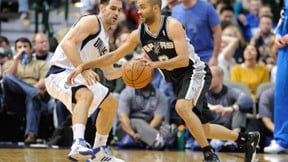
point(91, 48)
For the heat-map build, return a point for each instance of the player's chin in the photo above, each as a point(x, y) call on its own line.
point(114, 21)
point(142, 20)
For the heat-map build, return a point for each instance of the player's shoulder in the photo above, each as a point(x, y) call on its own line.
point(89, 20)
point(172, 21)
point(173, 24)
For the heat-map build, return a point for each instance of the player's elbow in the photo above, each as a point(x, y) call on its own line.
point(66, 45)
point(184, 61)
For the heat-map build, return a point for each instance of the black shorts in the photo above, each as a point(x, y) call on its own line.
point(193, 87)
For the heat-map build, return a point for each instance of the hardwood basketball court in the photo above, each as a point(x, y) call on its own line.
point(59, 155)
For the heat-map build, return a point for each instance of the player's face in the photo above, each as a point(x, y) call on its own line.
point(145, 11)
point(112, 11)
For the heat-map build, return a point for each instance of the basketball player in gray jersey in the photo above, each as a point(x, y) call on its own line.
point(86, 40)
point(164, 41)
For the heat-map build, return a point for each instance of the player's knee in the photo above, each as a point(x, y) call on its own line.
point(82, 93)
point(181, 109)
point(86, 95)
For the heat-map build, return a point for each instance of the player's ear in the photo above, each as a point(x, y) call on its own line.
point(101, 7)
point(155, 7)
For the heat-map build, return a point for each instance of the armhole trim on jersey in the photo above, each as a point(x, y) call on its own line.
point(86, 40)
point(166, 27)
point(140, 28)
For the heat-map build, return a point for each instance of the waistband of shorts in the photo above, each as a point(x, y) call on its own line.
point(54, 70)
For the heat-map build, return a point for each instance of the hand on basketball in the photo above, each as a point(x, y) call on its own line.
point(147, 62)
point(136, 74)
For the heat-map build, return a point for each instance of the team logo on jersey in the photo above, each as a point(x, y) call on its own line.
point(99, 44)
point(157, 46)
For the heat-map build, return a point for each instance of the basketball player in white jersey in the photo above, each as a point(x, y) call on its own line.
point(86, 40)
point(164, 40)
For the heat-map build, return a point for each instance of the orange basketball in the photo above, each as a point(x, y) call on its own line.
point(136, 74)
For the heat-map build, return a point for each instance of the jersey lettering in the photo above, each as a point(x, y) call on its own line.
point(163, 45)
point(99, 44)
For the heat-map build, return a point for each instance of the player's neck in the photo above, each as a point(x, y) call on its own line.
point(154, 27)
point(105, 25)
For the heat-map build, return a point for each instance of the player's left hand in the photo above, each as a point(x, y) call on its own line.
point(90, 77)
point(73, 75)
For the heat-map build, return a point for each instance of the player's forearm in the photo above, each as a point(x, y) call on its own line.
point(113, 74)
point(102, 61)
point(176, 62)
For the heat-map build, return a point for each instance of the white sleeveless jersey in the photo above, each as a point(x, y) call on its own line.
point(91, 47)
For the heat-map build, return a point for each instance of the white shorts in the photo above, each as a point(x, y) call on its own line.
point(57, 88)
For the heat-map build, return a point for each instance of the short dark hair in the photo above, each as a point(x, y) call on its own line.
point(104, 2)
point(25, 40)
point(158, 2)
